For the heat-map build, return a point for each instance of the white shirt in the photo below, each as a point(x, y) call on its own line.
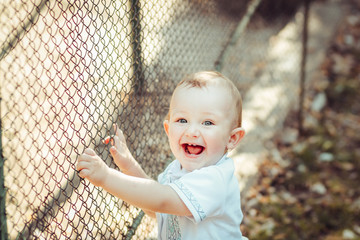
point(213, 197)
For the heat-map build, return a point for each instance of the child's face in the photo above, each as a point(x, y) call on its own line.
point(200, 124)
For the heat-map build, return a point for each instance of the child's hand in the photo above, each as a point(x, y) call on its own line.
point(120, 152)
point(92, 167)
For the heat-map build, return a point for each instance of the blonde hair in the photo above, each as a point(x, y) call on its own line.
point(206, 78)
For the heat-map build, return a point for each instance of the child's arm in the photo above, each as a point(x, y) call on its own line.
point(123, 157)
point(141, 192)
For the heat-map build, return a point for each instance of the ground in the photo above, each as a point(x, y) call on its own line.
point(308, 188)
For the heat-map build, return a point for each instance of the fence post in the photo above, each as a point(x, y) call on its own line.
point(240, 28)
point(138, 81)
point(303, 65)
point(3, 222)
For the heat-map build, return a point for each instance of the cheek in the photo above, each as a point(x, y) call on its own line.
point(174, 134)
point(217, 141)
point(216, 146)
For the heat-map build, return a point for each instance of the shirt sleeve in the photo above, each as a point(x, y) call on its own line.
point(202, 191)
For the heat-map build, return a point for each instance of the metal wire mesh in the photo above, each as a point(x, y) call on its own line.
point(70, 69)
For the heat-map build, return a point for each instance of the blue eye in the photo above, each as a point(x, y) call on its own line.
point(208, 123)
point(182, 120)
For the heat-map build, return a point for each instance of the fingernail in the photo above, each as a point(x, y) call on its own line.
point(106, 141)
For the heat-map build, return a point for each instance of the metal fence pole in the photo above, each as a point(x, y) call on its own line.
point(3, 222)
point(303, 65)
point(251, 8)
point(135, 19)
point(135, 225)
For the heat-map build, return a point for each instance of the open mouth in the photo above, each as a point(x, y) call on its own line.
point(193, 149)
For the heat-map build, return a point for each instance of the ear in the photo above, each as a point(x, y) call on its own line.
point(235, 136)
point(166, 126)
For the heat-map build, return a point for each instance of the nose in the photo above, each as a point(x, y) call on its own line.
point(192, 131)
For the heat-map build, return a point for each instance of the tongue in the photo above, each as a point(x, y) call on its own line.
point(194, 149)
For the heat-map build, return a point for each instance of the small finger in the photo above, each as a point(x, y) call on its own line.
point(118, 131)
point(116, 142)
point(114, 152)
point(80, 165)
point(90, 152)
point(83, 173)
point(107, 140)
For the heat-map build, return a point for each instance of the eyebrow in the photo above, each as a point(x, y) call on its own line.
point(206, 114)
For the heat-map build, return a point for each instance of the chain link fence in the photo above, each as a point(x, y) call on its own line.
point(70, 69)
